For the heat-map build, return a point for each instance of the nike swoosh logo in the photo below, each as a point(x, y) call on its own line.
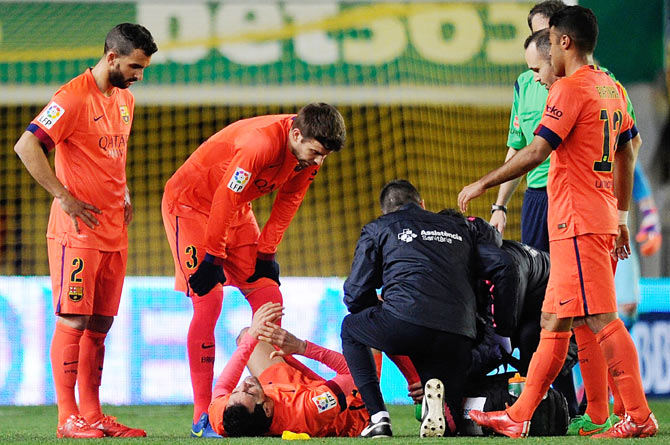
point(96, 119)
point(204, 346)
point(70, 363)
point(583, 432)
point(561, 303)
point(198, 434)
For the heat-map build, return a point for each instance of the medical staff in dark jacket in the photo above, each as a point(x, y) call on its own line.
point(425, 263)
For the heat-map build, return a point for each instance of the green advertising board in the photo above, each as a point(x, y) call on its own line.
point(285, 43)
point(353, 51)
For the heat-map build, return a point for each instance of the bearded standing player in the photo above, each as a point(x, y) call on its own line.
point(87, 123)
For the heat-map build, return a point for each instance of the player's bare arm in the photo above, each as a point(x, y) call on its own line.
point(28, 148)
point(499, 217)
point(624, 171)
point(525, 160)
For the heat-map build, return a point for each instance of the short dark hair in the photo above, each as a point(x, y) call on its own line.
point(239, 422)
point(547, 9)
point(125, 38)
point(542, 42)
point(578, 23)
point(323, 123)
point(396, 194)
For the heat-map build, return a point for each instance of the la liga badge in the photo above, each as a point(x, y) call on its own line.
point(239, 180)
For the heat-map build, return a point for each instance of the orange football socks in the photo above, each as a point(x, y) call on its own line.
point(618, 407)
point(593, 367)
point(201, 348)
point(544, 367)
point(64, 364)
point(91, 359)
point(622, 361)
point(268, 294)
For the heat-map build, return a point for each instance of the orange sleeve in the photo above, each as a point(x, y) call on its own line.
point(227, 199)
point(561, 113)
point(58, 119)
point(288, 200)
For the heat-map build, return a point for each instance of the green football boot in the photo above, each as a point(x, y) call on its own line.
point(583, 426)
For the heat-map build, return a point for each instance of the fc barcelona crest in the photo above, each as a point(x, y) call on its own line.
point(76, 293)
point(125, 114)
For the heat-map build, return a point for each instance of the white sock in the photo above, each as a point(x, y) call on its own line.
point(376, 417)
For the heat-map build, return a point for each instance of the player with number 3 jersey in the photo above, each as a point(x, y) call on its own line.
point(211, 228)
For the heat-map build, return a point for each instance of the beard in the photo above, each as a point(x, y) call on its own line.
point(117, 79)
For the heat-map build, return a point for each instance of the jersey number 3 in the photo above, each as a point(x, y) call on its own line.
point(604, 164)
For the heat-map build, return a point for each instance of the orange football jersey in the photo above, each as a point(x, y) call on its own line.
point(243, 161)
point(584, 121)
point(90, 134)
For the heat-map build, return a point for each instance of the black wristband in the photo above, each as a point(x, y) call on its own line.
point(496, 207)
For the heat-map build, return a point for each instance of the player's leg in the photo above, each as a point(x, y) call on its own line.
point(240, 263)
point(615, 341)
point(622, 360)
point(561, 304)
point(185, 239)
point(73, 288)
point(534, 230)
point(447, 357)
point(372, 328)
point(563, 301)
point(593, 368)
point(109, 284)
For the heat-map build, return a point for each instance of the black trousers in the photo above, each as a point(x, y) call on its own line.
point(435, 354)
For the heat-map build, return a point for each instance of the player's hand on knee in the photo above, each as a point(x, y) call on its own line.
point(264, 317)
point(266, 267)
point(209, 273)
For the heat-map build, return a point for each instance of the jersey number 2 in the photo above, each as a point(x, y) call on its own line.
point(604, 164)
point(78, 264)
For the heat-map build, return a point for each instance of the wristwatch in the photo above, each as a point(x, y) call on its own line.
point(496, 207)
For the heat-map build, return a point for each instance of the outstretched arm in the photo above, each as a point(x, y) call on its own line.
point(499, 217)
point(525, 160)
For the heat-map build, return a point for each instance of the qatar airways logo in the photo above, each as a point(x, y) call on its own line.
point(114, 145)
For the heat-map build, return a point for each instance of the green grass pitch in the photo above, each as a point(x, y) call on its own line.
point(171, 424)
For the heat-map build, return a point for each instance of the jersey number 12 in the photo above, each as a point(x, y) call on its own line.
point(604, 164)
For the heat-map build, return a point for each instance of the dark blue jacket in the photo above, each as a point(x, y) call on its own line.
point(519, 274)
point(424, 262)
